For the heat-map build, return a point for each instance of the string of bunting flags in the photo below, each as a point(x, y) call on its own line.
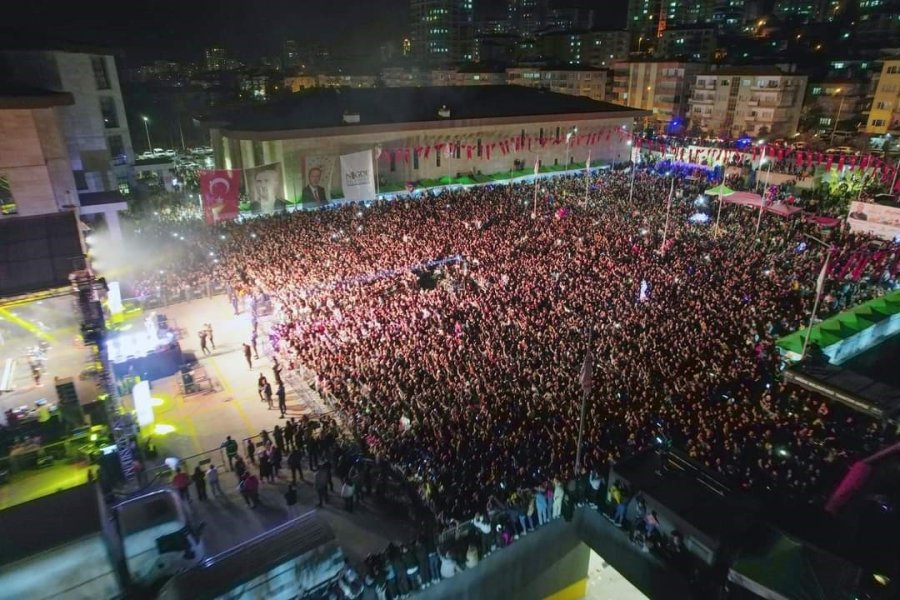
point(468, 150)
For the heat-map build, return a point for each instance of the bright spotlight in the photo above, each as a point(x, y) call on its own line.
point(163, 429)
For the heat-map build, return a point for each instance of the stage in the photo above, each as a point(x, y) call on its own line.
point(148, 349)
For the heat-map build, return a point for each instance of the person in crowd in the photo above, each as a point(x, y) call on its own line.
point(322, 482)
point(251, 451)
point(449, 567)
point(231, 449)
point(348, 494)
point(212, 478)
point(202, 334)
point(282, 399)
point(481, 357)
point(199, 479)
point(295, 464)
point(181, 482)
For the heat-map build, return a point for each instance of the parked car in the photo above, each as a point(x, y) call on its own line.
point(840, 150)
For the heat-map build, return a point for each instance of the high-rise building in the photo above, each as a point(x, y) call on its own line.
point(808, 11)
point(729, 15)
point(442, 31)
point(878, 23)
point(290, 54)
point(884, 112)
point(94, 127)
point(759, 101)
point(214, 59)
point(661, 87)
point(527, 17)
point(574, 81)
point(652, 17)
point(35, 177)
point(687, 43)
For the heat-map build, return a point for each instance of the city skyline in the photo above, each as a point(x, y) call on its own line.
point(150, 28)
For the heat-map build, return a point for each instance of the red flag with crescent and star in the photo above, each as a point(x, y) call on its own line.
point(219, 191)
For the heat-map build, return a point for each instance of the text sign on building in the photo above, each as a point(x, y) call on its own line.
point(358, 176)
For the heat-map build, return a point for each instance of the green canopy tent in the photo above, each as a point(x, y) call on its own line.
point(775, 566)
point(720, 191)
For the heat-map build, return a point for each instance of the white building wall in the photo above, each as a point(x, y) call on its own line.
point(293, 152)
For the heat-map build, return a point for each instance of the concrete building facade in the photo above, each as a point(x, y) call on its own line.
point(758, 101)
point(884, 111)
point(35, 176)
point(399, 120)
point(660, 87)
point(94, 127)
point(574, 81)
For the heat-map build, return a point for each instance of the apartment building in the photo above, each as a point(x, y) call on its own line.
point(758, 101)
point(660, 87)
point(884, 111)
point(574, 81)
point(94, 126)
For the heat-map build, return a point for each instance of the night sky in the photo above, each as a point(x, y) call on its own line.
point(166, 29)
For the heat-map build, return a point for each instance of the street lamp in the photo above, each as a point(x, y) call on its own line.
point(146, 120)
point(837, 118)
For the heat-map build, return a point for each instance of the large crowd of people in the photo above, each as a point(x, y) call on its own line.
point(451, 329)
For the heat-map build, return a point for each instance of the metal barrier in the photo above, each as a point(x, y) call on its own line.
point(45, 455)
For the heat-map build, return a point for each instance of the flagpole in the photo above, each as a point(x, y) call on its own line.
point(718, 214)
point(586, 385)
point(668, 210)
point(587, 179)
point(759, 219)
point(631, 188)
point(534, 204)
point(820, 287)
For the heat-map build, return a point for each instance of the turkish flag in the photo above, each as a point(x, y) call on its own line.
point(219, 190)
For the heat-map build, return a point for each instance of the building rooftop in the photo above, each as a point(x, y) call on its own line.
point(325, 108)
point(751, 70)
point(16, 96)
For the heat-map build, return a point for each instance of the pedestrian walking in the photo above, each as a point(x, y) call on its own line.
point(251, 452)
point(322, 482)
point(199, 479)
point(290, 498)
point(247, 355)
point(212, 478)
point(267, 394)
point(181, 482)
point(231, 448)
point(282, 399)
point(295, 462)
point(209, 334)
point(202, 335)
point(347, 493)
point(253, 339)
point(265, 467)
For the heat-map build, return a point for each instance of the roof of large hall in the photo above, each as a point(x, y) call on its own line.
point(326, 107)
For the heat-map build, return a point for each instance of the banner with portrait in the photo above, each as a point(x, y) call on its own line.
point(266, 189)
point(875, 219)
point(219, 195)
point(316, 180)
point(358, 176)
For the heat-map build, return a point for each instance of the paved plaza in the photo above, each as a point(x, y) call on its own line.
point(202, 421)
